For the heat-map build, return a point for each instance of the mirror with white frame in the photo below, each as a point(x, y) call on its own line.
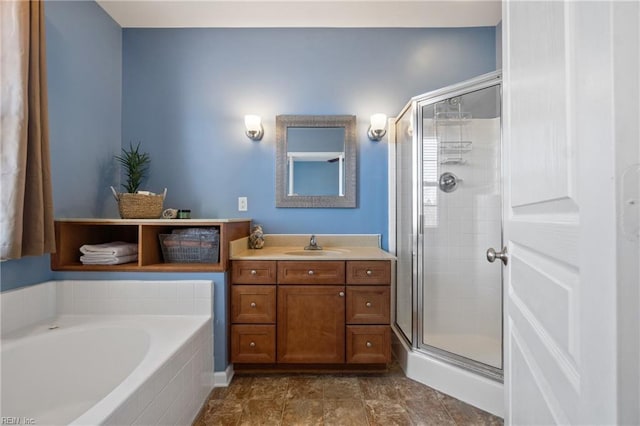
point(315, 161)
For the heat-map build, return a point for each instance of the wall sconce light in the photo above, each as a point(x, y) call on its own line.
point(377, 129)
point(253, 124)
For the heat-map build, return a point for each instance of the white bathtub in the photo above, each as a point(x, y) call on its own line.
point(107, 369)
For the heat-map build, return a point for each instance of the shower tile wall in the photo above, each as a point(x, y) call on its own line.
point(462, 302)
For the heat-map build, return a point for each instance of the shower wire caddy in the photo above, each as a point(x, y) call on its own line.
point(452, 129)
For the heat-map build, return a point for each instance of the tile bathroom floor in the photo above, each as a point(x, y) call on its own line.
point(336, 399)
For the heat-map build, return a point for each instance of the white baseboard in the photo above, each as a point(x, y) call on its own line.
point(221, 379)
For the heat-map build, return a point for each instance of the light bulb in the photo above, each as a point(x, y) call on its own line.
point(378, 121)
point(253, 125)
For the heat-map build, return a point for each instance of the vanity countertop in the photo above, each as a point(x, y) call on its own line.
point(291, 247)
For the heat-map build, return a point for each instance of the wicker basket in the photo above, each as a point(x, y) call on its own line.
point(139, 206)
point(192, 245)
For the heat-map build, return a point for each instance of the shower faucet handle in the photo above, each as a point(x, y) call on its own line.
point(448, 182)
point(492, 255)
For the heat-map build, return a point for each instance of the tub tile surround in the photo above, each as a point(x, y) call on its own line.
point(175, 391)
point(134, 297)
point(26, 306)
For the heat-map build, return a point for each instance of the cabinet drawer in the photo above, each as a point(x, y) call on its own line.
point(320, 272)
point(253, 304)
point(369, 272)
point(253, 344)
point(368, 305)
point(253, 272)
point(368, 344)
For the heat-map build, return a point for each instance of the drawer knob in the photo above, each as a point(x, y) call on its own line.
point(369, 272)
point(310, 272)
point(341, 294)
point(369, 344)
point(254, 272)
point(253, 344)
point(253, 304)
point(368, 304)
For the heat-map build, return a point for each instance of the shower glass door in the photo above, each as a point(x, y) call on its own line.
point(405, 221)
point(460, 218)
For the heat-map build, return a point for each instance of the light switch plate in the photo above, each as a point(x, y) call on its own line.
point(242, 204)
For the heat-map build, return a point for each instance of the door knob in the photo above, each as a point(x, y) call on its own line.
point(492, 255)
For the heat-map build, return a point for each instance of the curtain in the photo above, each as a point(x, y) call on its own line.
point(26, 215)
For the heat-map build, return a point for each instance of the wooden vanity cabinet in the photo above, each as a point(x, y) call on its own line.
point(327, 312)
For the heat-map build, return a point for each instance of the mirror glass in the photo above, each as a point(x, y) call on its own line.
point(315, 161)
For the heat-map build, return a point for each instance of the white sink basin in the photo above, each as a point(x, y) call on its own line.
point(314, 252)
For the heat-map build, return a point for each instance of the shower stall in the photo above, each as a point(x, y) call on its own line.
point(448, 198)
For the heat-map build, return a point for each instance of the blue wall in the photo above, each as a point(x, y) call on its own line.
point(186, 91)
point(84, 61)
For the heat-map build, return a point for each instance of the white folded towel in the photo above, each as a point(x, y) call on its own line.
point(116, 248)
point(107, 260)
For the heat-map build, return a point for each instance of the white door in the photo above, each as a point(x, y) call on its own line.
point(562, 65)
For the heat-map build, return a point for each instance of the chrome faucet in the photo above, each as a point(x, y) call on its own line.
point(313, 245)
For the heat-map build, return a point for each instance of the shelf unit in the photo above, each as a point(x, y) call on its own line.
point(71, 234)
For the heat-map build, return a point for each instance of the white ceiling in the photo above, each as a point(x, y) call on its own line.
point(303, 13)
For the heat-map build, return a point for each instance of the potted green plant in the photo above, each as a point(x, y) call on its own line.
point(135, 204)
point(136, 166)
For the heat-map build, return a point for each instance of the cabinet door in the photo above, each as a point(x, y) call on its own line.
point(311, 324)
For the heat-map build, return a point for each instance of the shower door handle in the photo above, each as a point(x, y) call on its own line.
point(492, 255)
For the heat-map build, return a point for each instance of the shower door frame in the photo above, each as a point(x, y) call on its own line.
point(416, 105)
